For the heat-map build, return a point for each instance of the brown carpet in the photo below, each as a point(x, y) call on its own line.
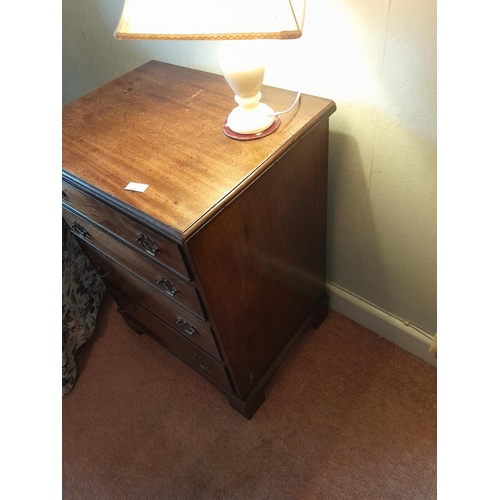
point(347, 416)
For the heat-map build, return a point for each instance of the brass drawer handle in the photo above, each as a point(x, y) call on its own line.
point(168, 286)
point(148, 244)
point(125, 307)
point(203, 363)
point(189, 329)
point(79, 229)
point(101, 272)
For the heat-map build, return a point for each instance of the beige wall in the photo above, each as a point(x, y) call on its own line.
point(377, 60)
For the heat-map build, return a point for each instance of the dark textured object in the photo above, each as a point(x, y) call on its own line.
point(237, 229)
point(82, 292)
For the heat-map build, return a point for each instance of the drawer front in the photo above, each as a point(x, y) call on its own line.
point(167, 283)
point(182, 321)
point(195, 357)
point(155, 246)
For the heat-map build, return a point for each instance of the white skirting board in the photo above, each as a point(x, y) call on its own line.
point(395, 330)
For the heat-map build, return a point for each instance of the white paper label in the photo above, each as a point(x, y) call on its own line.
point(136, 186)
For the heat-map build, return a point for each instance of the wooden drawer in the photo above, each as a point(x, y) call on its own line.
point(155, 246)
point(181, 320)
point(187, 351)
point(167, 283)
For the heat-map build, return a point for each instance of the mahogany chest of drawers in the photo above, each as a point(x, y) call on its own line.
point(222, 257)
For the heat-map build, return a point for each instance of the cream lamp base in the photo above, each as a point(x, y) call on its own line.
point(251, 116)
point(243, 68)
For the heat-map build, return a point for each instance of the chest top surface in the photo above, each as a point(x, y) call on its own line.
point(161, 125)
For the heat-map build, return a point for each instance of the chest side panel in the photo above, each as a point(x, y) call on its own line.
point(261, 262)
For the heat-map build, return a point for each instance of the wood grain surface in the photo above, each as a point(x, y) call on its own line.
point(161, 125)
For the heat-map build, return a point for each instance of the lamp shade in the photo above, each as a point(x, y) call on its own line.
point(211, 19)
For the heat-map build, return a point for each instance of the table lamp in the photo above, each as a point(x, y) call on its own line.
point(239, 24)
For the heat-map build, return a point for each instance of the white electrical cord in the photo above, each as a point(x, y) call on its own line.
point(289, 109)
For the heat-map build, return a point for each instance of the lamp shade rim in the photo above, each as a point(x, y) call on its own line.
point(281, 35)
point(211, 20)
